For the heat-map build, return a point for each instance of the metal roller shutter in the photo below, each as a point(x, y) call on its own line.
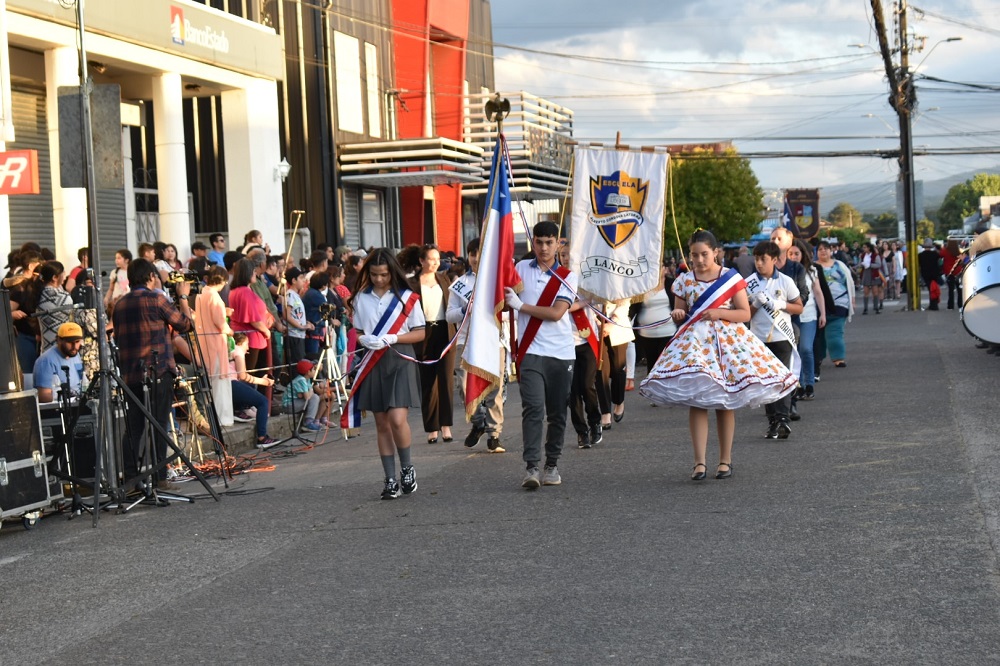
point(31, 214)
point(352, 216)
point(111, 227)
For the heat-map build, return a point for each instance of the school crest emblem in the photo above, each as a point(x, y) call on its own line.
point(617, 202)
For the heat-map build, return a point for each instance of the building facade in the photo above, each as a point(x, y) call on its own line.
point(199, 122)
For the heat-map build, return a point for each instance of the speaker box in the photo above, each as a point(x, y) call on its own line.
point(10, 370)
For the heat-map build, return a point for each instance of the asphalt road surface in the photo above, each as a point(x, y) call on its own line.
point(870, 536)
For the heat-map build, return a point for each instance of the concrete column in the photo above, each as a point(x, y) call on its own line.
point(171, 167)
point(69, 204)
point(250, 132)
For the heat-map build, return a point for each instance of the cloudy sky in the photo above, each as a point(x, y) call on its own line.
point(770, 75)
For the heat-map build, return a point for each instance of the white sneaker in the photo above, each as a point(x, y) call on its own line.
point(550, 477)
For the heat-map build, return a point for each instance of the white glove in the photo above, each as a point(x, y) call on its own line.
point(779, 304)
point(759, 299)
point(512, 300)
point(390, 338)
point(371, 342)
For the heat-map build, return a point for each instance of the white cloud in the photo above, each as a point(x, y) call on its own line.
point(709, 100)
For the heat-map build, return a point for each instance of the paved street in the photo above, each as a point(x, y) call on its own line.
point(870, 536)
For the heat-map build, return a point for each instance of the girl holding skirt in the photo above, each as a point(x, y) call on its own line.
point(713, 361)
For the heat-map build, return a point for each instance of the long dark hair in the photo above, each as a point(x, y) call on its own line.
point(806, 250)
point(380, 257)
point(243, 272)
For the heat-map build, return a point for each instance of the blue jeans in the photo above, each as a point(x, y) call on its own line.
point(246, 396)
point(807, 337)
point(27, 352)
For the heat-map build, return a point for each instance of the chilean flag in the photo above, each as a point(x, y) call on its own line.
point(481, 357)
point(787, 220)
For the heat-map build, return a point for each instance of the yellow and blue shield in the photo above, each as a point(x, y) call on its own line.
point(617, 202)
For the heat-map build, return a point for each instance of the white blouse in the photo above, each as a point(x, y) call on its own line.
point(369, 308)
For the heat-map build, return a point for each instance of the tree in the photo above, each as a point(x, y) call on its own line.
point(718, 193)
point(925, 229)
point(849, 236)
point(845, 216)
point(885, 225)
point(962, 199)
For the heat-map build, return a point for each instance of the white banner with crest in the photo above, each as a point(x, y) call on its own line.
point(616, 235)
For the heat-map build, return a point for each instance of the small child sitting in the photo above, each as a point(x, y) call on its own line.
point(300, 396)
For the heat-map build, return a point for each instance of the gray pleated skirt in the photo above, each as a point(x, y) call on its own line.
point(391, 383)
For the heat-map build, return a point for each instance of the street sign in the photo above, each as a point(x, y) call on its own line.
point(19, 172)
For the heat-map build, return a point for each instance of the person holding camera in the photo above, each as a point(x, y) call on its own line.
point(141, 319)
point(315, 303)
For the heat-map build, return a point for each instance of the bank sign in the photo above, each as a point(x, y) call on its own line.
point(182, 33)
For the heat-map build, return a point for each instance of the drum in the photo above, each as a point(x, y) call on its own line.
point(981, 309)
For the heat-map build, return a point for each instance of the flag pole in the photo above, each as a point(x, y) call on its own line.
point(497, 109)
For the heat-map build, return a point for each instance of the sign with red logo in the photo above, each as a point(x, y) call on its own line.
point(177, 25)
point(19, 172)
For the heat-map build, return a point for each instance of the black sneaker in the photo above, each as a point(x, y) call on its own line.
point(793, 413)
point(810, 393)
point(391, 490)
point(596, 435)
point(473, 437)
point(493, 445)
point(583, 440)
point(772, 430)
point(783, 430)
point(408, 480)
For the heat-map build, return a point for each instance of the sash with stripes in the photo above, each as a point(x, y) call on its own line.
point(547, 298)
point(397, 312)
point(720, 291)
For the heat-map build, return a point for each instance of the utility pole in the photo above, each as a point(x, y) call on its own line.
point(903, 99)
point(905, 102)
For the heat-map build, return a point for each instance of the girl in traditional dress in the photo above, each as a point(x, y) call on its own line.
point(713, 361)
point(387, 313)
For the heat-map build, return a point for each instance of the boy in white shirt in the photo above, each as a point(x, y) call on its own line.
point(546, 353)
point(773, 299)
point(295, 316)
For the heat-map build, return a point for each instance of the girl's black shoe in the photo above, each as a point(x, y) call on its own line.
point(696, 475)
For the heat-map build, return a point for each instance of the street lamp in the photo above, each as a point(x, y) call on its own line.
point(881, 120)
point(904, 101)
point(936, 44)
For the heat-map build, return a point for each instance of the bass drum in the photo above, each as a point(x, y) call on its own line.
point(981, 284)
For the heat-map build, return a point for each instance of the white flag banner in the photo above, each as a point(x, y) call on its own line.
point(617, 221)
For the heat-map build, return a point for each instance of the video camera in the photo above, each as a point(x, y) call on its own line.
point(175, 278)
point(327, 311)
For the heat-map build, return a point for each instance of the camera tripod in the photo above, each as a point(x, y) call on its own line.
point(330, 366)
point(148, 460)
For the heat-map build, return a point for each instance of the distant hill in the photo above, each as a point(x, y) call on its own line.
point(880, 197)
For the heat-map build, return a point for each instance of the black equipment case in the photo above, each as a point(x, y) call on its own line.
point(24, 478)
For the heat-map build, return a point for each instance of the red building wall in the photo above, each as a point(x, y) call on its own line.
point(430, 37)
